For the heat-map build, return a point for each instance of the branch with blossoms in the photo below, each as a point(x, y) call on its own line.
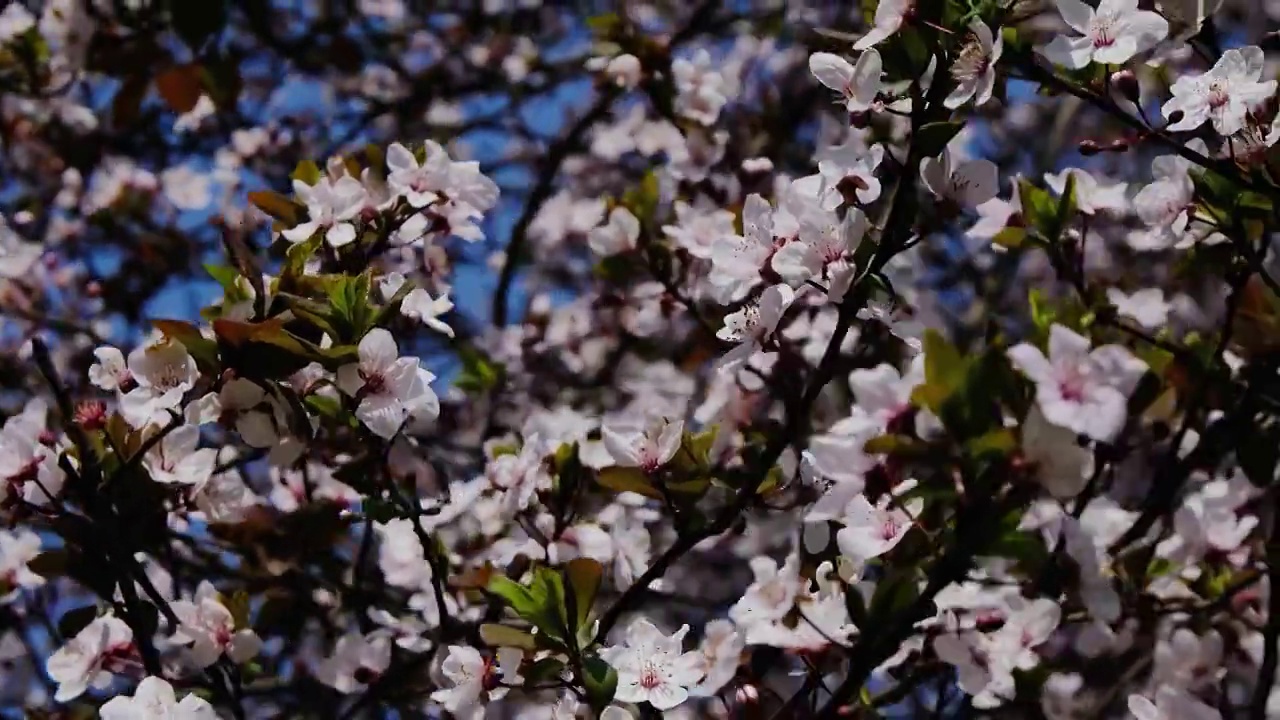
point(706, 361)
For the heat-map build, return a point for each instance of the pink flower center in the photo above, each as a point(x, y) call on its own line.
point(1103, 31)
point(889, 528)
point(374, 382)
point(1071, 385)
point(1218, 95)
point(650, 678)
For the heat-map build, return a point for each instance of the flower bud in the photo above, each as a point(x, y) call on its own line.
point(91, 415)
point(1126, 83)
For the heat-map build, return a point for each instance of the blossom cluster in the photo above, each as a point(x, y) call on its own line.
point(924, 362)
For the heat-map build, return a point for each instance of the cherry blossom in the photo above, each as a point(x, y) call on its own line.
point(648, 448)
point(872, 530)
point(356, 661)
point(1092, 196)
point(653, 668)
point(475, 678)
point(619, 235)
point(975, 69)
point(751, 326)
point(332, 205)
point(175, 460)
point(823, 252)
point(1112, 34)
point(967, 184)
point(858, 85)
point(389, 388)
point(17, 549)
point(163, 372)
point(102, 648)
point(889, 18)
point(1083, 390)
point(210, 629)
point(1225, 94)
point(154, 699)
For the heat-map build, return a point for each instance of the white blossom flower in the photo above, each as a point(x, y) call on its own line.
point(1146, 306)
point(418, 183)
point(625, 70)
point(700, 88)
point(653, 667)
point(736, 261)
point(1171, 703)
point(155, 700)
point(858, 85)
point(1092, 196)
point(17, 548)
point(389, 388)
point(771, 595)
point(16, 254)
point(14, 21)
point(1081, 389)
point(1054, 451)
point(845, 171)
point(103, 647)
point(647, 448)
point(890, 15)
point(357, 661)
point(824, 251)
point(969, 184)
point(975, 69)
point(210, 629)
point(475, 678)
point(419, 305)
point(752, 325)
point(698, 229)
point(872, 530)
point(28, 469)
point(164, 372)
point(1167, 204)
point(175, 460)
point(1114, 32)
point(721, 650)
point(619, 235)
point(1225, 94)
point(110, 372)
point(331, 208)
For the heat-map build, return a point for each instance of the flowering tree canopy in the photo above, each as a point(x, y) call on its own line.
point(916, 358)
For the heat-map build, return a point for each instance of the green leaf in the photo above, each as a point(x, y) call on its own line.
point(893, 593)
point(628, 479)
point(1042, 312)
point(552, 617)
point(600, 681)
point(996, 442)
point(547, 669)
point(479, 373)
point(943, 364)
point(224, 275)
point(201, 348)
point(893, 445)
point(932, 138)
point(1010, 237)
point(277, 206)
point(307, 172)
point(517, 596)
point(583, 576)
point(495, 635)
